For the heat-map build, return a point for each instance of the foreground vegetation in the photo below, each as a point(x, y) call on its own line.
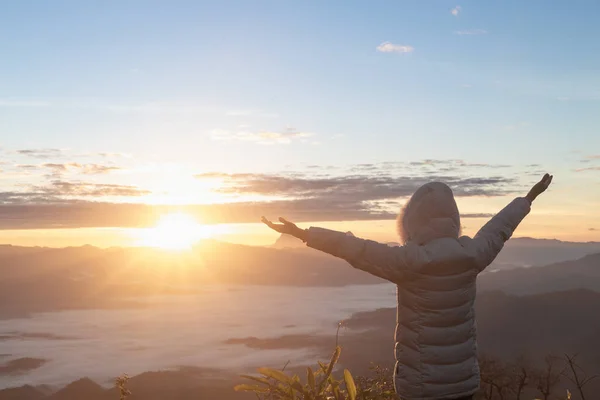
point(499, 381)
point(517, 380)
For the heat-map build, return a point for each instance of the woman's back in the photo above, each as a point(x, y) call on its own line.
point(436, 348)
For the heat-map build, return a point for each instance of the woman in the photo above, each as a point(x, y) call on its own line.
point(435, 272)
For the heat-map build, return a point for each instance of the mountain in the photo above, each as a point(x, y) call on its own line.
point(83, 388)
point(43, 279)
point(183, 384)
point(26, 392)
point(36, 279)
point(575, 274)
point(537, 252)
point(286, 241)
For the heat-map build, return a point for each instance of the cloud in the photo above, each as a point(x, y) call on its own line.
point(262, 137)
point(367, 191)
point(455, 11)
point(356, 188)
point(41, 153)
point(587, 169)
point(59, 192)
point(114, 155)
point(388, 47)
point(27, 167)
point(78, 214)
point(87, 189)
point(471, 32)
point(59, 169)
point(366, 195)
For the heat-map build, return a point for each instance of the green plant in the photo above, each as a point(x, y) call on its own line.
point(319, 385)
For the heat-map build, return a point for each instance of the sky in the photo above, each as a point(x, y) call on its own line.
point(116, 113)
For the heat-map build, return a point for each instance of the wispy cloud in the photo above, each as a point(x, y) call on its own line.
point(86, 169)
point(593, 158)
point(455, 11)
point(356, 188)
point(388, 47)
point(471, 32)
point(262, 137)
point(368, 191)
point(114, 155)
point(60, 192)
point(41, 153)
point(87, 189)
point(587, 169)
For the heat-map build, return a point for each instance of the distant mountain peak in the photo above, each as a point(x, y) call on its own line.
point(83, 388)
point(286, 241)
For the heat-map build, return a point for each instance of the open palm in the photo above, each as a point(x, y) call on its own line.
point(286, 227)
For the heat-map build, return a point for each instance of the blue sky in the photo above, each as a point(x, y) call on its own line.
point(265, 86)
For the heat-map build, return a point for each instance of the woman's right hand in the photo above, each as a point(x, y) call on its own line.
point(286, 227)
point(539, 188)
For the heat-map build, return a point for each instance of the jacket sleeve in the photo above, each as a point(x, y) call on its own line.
point(490, 239)
point(378, 259)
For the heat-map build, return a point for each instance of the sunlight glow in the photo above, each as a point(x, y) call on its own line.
point(176, 231)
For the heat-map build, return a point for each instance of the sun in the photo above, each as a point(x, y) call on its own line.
point(176, 231)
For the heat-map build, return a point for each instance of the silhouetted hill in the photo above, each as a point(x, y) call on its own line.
point(182, 384)
point(581, 273)
point(43, 279)
point(40, 279)
point(538, 252)
point(26, 392)
point(286, 241)
point(83, 388)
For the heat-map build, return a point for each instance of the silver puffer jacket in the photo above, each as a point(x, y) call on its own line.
point(435, 273)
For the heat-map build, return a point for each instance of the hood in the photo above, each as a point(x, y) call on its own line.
point(431, 213)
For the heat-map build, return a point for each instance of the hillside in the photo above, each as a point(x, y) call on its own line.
point(45, 279)
point(582, 273)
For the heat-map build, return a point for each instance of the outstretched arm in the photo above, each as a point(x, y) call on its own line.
point(378, 259)
point(490, 239)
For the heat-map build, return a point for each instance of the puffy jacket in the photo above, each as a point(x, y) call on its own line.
point(435, 272)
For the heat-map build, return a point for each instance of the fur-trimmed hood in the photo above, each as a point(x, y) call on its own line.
point(431, 213)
